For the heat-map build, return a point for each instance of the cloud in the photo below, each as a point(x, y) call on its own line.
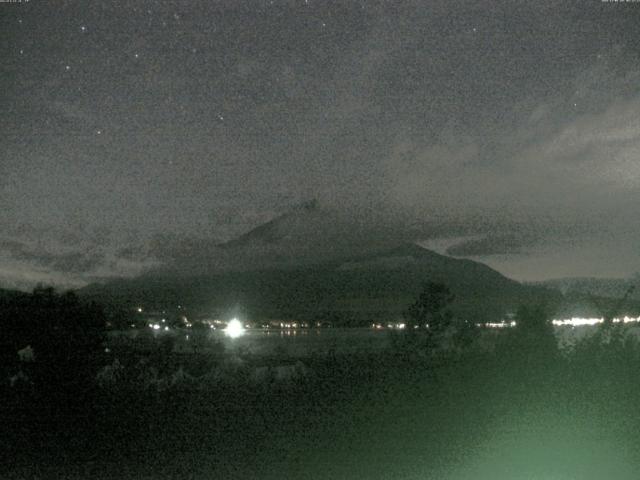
point(26, 262)
point(508, 243)
point(78, 262)
point(558, 177)
point(442, 119)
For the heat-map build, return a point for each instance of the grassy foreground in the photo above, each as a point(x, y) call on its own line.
point(499, 415)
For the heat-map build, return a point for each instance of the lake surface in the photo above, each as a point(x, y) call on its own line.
point(303, 342)
point(299, 342)
point(293, 342)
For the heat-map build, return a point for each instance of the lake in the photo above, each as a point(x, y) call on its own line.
point(299, 342)
point(292, 342)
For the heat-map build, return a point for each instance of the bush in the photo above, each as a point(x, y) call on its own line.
point(65, 336)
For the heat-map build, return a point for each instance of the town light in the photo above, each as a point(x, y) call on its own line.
point(234, 329)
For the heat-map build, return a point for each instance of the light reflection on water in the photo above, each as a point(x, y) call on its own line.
point(293, 342)
point(298, 342)
point(302, 342)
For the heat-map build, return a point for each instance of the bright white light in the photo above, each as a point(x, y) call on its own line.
point(155, 326)
point(573, 322)
point(234, 329)
point(576, 321)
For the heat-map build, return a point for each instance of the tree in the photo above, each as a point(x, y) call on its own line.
point(610, 343)
point(608, 314)
point(431, 325)
point(65, 334)
point(533, 339)
point(431, 308)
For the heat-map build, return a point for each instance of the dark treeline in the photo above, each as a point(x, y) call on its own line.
point(69, 408)
point(58, 336)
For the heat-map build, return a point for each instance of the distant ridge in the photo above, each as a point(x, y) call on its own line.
point(605, 287)
point(351, 291)
point(307, 234)
point(313, 263)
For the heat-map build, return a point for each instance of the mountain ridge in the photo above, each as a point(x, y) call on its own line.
point(379, 288)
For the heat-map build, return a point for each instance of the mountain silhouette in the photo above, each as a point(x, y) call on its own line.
point(312, 264)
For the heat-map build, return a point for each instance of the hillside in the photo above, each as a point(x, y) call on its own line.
point(354, 291)
point(307, 234)
point(315, 264)
point(7, 296)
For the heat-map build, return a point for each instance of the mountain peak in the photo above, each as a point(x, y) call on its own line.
point(296, 221)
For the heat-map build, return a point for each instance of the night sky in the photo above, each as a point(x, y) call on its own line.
point(512, 127)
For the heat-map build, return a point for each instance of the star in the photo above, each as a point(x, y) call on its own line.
point(136, 55)
point(21, 51)
point(83, 28)
point(67, 67)
point(99, 132)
